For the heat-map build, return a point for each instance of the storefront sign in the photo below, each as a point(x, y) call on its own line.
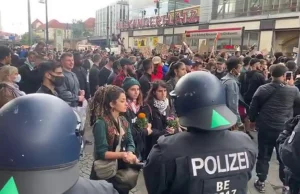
point(184, 16)
point(212, 33)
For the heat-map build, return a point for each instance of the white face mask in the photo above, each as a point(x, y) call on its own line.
point(18, 78)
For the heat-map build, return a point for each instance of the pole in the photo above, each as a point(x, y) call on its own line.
point(110, 30)
point(29, 24)
point(107, 30)
point(298, 54)
point(47, 27)
point(242, 41)
point(174, 20)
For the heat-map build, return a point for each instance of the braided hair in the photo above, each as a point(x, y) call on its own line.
point(100, 105)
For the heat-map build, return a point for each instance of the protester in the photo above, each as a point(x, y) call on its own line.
point(70, 91)
point(135, 102)
point(52, 77)
point(116, 70)
point(176, 71)
point(112, 133)
point(220, 71)
point(270, 108)
point(157, 109)
point(232, 91)
point(94, 74)
point(106, 71)
point(127, 71)
point(31, 78)
point(82, 75)
point(157, 69)
point(145, 80)
point(5, 56)
point(10, 76)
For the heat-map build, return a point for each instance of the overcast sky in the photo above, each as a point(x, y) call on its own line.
point(14, 12)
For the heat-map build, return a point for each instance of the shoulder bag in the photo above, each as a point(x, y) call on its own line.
point(106, 169)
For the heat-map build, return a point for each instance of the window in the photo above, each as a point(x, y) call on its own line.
point(177, 39)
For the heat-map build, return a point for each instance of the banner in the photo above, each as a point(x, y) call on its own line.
point(162, 49)
point(146, 51)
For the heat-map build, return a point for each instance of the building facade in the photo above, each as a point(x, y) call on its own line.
point(273, 25)
point(150, 8)
point(107, 18)
point(148, 31)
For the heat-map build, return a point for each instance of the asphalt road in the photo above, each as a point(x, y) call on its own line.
point(273, 184)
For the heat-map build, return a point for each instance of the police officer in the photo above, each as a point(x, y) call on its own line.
point(40, 149)
point(208, 158)
point(289, 143)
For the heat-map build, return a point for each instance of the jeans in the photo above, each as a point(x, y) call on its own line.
point(266, 143)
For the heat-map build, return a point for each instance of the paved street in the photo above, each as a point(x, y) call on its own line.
point(272, 185)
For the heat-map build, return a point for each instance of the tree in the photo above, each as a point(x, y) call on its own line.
point(25, 38)
point(77, 29)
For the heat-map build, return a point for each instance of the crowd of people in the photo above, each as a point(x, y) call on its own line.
point(121, 91)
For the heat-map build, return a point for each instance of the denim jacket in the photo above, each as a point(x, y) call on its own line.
point(232, 94)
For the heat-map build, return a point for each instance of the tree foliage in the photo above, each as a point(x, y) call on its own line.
point(25, 38)
point(78, 29)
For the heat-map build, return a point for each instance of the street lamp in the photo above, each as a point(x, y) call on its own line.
point(47, 28)
point(29, 24)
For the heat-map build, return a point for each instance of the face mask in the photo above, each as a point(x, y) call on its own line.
point(58, 80)
point(17, 79)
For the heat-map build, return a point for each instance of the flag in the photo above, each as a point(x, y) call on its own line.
point(217, 37)
point(186, 1)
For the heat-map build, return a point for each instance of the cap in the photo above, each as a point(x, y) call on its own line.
point(221, 60)
point(156, 60)
point(125, 61)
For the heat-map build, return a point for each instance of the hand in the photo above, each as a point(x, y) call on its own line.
point(131, 158)
point(290, 82)
point(80, 98)
point(125, 157)
point(170, 130)
point(82, 92)
point(149, 129)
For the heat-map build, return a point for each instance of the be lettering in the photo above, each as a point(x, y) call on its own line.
point(223, 188)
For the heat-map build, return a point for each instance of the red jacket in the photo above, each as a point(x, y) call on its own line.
point(159, 74)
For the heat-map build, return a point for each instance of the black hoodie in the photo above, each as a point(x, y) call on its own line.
point(252, 80)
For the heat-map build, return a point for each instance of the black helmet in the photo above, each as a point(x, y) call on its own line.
point(200, 102)
point(39, 145)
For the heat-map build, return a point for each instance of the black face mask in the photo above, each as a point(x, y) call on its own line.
point(58, 80)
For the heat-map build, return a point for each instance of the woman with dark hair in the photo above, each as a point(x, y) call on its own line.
point(134, 103)
point(177, 70)
point(169, 62)
point(157, 109)
point(109, 126)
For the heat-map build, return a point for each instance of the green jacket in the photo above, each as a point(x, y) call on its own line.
point(104, 137)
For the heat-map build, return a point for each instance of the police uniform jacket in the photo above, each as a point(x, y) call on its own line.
point(200, 162)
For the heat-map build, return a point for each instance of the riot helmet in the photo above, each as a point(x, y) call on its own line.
point(200, 102)
point(39, 144)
